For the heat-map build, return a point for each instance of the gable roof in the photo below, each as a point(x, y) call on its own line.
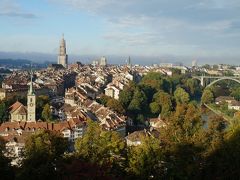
point(15, 106)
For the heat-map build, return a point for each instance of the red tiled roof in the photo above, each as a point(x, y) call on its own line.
point(15, 106)
point(61, 126)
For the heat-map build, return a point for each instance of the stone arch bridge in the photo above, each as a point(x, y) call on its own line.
point(214, 79)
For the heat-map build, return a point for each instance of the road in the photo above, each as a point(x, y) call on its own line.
point(219, 113)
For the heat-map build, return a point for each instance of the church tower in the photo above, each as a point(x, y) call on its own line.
point(31, 103)
point(63, 57)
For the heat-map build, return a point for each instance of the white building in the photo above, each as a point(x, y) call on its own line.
point(234, 105)
point(112, 91)
point(103, 61)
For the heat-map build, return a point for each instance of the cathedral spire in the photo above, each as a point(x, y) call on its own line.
point(63, 57)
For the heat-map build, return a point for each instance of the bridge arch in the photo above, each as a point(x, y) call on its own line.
point(221, 79)
point(197, 78)
point(201, 79)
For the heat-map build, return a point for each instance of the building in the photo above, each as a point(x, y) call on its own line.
point(16, 133)
point(157, 123)
point(31, 103)
point(100, 62)
point(63, 57)
point(234, 105)
point(112, 91)
point(18, 112)
point(224, 99)
point(135, 138)
point(103, 61)
point(194, 63)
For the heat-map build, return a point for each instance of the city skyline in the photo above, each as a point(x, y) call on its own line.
point(205, 30)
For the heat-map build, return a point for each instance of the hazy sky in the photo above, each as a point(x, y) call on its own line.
point(194, 28)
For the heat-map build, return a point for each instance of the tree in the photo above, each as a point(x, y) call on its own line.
point(224, 155)
point(88, 147)
point(192, 124)
point(115, 105)
point(43, 153)
point(207, 97)
point(3, 112)
point(40, 103)
point(46, 113)
point(164, 102)
point(214, 134)
point(155, 108)
point(104, 99)
point(193, 88)
point(181, 96)
point(156, 81)
point(144, 161)
point(101, 147)
point(6, 170)
point(236, 93)
point(126, 95)
point(138, 101)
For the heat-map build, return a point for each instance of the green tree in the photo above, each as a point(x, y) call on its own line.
point(144, 161)
point(236, 93)
point(214, 136)
point(115, 105)
point(104, 99)
point(155, 108)
point(192, 124)
point(6, 170)
point(156, 81)
point(224, 154)
point(164, 101)
point(88, 147)
point(42, 156)
point(46, 113)
point(3, 112)
point(193, 87)
point(207, 97)
point(181, 96)
point(126, 95)
point(138, 102)
point(101, 147)
point(41, 101)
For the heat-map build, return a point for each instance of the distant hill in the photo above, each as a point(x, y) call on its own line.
point(22, 64)
point(2, 70)
point(14, 62)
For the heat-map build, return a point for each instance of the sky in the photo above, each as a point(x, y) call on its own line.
point(206, 30)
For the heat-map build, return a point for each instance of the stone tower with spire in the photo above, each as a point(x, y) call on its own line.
point(31, 103)
point(63, 57)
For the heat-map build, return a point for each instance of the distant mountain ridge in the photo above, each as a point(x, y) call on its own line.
point(15, 62)
point(47, 58)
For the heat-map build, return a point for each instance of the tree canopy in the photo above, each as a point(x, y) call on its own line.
point(43, 153)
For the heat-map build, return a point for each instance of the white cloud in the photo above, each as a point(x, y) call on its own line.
point(177, 25)
point(12, 9)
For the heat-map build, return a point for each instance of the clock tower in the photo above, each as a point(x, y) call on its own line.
point(31, 103)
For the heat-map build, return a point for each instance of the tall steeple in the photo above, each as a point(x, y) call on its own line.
point(30, 91)
point(63, 57)
point(31, 102)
